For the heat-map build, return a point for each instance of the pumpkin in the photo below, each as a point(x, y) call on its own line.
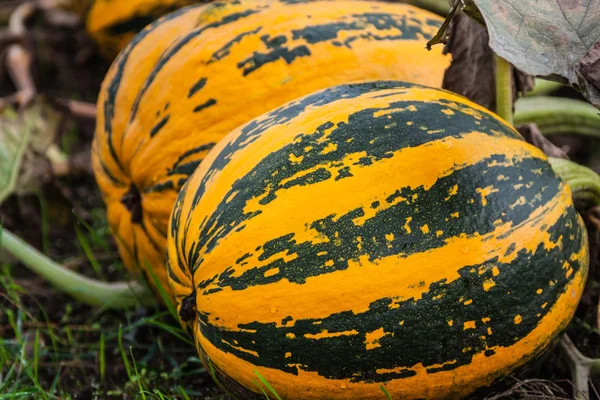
point(188, 79)
point(113, 23)
point(380, 234)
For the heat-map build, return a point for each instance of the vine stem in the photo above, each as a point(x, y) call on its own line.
point(116, 295)
point(504, 92)
point(543, 87)
point(440, 7)
point(558, 115)
point(584, 182)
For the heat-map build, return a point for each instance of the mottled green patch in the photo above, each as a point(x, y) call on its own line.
point(349, 240)
point(417, 331)
point(364, 133)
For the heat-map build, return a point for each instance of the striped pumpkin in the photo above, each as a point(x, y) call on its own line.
point(113, 23)
point(376, 234)
point(190, 78)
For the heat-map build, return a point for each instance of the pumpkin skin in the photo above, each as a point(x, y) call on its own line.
point(381, 233)
point(187, 80)
point(113, 23)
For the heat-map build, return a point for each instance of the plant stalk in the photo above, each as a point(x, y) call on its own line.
point(117, 295)
point(504, 90)
point(543, 87)
point(584, 182)
point(558, 115)
point(440, 7)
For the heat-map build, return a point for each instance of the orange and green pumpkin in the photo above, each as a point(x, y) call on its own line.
point(188, 79)
point(113, 23)
point(375, 234)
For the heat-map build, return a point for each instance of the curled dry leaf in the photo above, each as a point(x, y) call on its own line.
point(532, 134)
point(557, 40)
point(27, 149)
point(13, 143)
point(473, 63)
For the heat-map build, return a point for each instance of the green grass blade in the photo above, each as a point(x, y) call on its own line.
point(56, 380)
point(18, 395)
point(44, 221)
point(384, 390)
point(137, 375)
point(101, 359)
point(8, 376)
point(36, 357)
point(213, 375)
point(123, 354)
point(97, 238)
point(258, 385)
point(184, 395)
point(87, 249)
point(69, 335)
point(13, 323)
point(267, 384)
point(159, 395)
point(178, 333)
point(163, 292)
point(29, 372)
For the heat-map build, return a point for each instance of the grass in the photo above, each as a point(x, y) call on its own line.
point(54, 348)
point(385, 392)
point(267, 385)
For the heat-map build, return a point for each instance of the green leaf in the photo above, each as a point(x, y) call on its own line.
point(558, 40)
point(385, 392)
point(267, 384)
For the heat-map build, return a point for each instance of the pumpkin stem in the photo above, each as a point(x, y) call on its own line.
point(188, 307)
point(132, 200)
point(504, 92)
point(116, 295)
point(584, 182)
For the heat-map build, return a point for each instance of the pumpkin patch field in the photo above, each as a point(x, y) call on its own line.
point(299, 199)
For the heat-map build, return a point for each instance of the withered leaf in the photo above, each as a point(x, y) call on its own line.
point(25, 140)
point(473, 64)
point(532, 134)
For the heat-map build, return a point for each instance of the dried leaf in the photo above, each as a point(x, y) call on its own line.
point(473, 64)
point(443, 33)
point(14, 138)
point(25, 140)
point(532, 134)
point(556, 40)
point(590, 65)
